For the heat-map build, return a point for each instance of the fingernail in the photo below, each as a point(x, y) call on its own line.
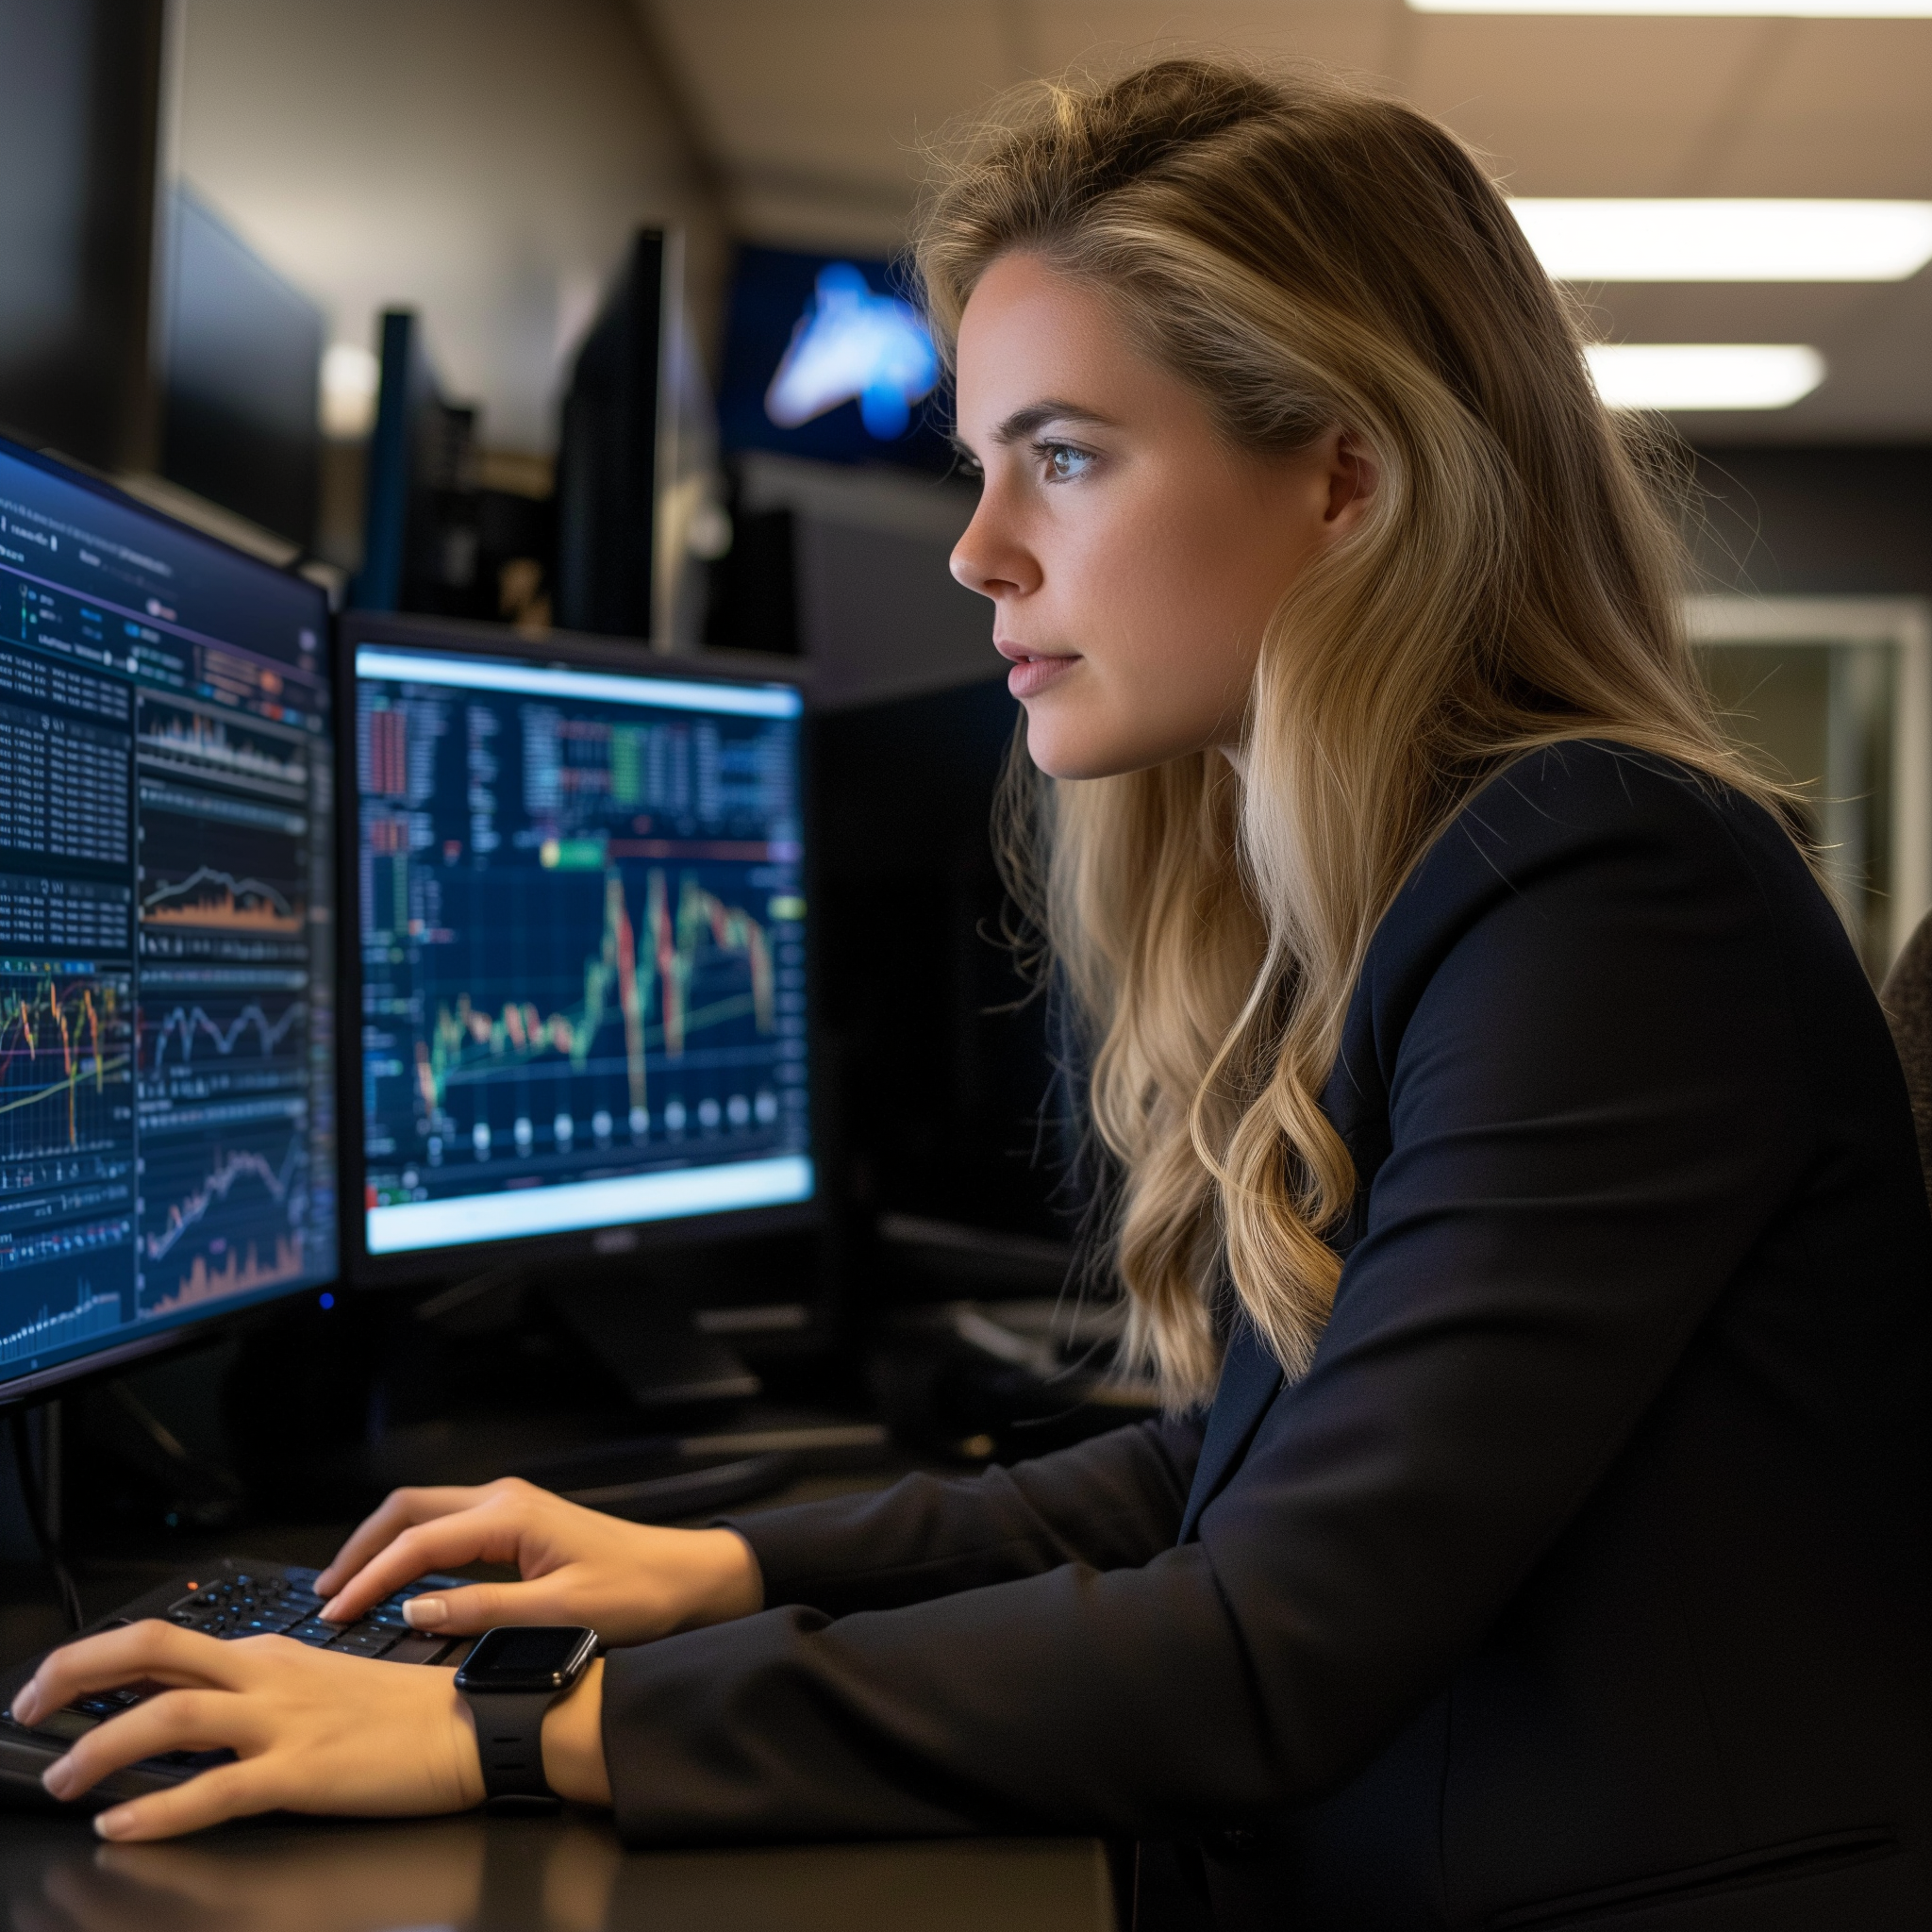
point(113, 1823)
point(27, 1706)
point(327, 1612)
point(58, 1777)
point(425, 1612)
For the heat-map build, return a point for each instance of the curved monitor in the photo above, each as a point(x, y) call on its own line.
point(167, 946)
point(582, 951)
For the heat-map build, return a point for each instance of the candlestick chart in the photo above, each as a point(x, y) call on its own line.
point(64, 1062)
point(684, 969)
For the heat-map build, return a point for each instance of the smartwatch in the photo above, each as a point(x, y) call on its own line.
point(510, 1679)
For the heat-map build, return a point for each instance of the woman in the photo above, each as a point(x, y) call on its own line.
point(1518, 1194)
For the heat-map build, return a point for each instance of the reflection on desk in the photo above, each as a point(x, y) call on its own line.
point(547, 1874)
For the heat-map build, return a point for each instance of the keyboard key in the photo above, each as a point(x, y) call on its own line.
point(268, 1623)
point(314, 1631)
point(365, 1639)
point(416, 1648)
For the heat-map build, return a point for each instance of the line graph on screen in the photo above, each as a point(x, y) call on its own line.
point(210, 896)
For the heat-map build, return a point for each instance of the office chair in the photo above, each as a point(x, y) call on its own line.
point(1906, 997)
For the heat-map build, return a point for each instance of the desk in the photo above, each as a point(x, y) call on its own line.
point(545, 1875)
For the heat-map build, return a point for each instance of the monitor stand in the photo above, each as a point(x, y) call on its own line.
point(653, 1350)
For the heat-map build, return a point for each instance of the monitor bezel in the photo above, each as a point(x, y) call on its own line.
point(568, 650)
point(38, 1384)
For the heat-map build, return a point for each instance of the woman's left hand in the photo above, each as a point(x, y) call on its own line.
point(312, 1732)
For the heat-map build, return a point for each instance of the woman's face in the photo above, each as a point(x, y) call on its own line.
point(1133, 559)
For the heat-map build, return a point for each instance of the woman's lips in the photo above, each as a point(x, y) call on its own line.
point(1032, 674)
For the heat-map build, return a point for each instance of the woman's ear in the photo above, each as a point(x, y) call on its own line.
point(1352, 478)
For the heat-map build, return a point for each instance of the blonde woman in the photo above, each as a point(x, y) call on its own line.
point(1518, 1197)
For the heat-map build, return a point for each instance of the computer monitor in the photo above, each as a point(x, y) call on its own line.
point(242, 369)
point(581, 882)
point(167, 1073)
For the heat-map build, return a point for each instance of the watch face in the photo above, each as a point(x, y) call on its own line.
point(543, 1656)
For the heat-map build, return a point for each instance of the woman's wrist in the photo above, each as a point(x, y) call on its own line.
point(466, 1758)
point(726, 1582)
point(574, 1741)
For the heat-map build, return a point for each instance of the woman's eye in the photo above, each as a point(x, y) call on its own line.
point(1064, 463)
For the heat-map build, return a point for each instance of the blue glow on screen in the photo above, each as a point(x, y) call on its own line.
point(826, 358)
point(851, 345)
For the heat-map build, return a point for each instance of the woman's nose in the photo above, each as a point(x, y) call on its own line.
point(989, 560)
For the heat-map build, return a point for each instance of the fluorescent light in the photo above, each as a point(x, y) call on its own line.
point(1802, 10)
point(1704, 376)
point(1688, 241)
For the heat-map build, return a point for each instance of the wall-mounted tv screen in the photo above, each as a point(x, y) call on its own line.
point(825, 358)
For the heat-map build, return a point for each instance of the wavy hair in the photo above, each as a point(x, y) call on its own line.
point(1308, 253)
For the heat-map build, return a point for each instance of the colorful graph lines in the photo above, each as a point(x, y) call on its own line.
point(647, 986)
point(183, 1215)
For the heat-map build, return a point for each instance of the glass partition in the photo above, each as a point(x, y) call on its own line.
point(1834, 695)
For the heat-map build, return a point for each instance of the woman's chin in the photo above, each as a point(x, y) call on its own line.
point(1067, 754)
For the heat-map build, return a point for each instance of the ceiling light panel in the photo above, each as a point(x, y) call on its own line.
point(1797, 10)
point(1690, 240)
point(1704, 376)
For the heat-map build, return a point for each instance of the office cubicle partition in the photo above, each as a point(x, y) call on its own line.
point(1835, 693)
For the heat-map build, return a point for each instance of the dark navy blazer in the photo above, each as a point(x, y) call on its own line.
point(1583, 1580)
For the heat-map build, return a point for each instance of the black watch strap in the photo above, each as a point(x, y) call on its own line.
point(509, 1741)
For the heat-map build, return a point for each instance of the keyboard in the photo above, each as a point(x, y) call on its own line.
point(237, 1597)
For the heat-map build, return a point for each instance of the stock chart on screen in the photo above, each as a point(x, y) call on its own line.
point(583, 944)
point(166, 1072)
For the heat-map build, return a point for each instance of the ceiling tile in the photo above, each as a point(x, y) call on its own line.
point(844, 86)
point(1846, 112)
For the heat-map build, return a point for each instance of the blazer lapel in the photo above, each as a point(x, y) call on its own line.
point(1250, 1376)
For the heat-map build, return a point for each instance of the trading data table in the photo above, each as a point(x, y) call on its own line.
point(583, 937)
point(166, 1099)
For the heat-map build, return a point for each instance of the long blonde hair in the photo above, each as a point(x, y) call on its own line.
point(1309, 254)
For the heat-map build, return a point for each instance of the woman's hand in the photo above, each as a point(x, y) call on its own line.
point(627, 1581)
point(312, 1732)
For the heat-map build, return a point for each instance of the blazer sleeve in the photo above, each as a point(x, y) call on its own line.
point(1111, 1503)
point(1588, 1047)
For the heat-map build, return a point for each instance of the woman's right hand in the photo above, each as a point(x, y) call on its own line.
point(627, 1581)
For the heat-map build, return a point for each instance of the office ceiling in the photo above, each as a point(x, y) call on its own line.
point(808, 114)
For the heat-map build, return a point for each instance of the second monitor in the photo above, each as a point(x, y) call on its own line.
point(581, 884)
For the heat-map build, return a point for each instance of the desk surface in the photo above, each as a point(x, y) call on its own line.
point(551, 1874)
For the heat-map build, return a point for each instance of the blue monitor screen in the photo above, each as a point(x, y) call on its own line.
point(166, 938)
point(583, 948)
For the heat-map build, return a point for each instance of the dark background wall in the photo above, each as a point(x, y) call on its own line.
point(1817, 522)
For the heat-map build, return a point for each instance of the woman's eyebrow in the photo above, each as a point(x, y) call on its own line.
point(1035, 416)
